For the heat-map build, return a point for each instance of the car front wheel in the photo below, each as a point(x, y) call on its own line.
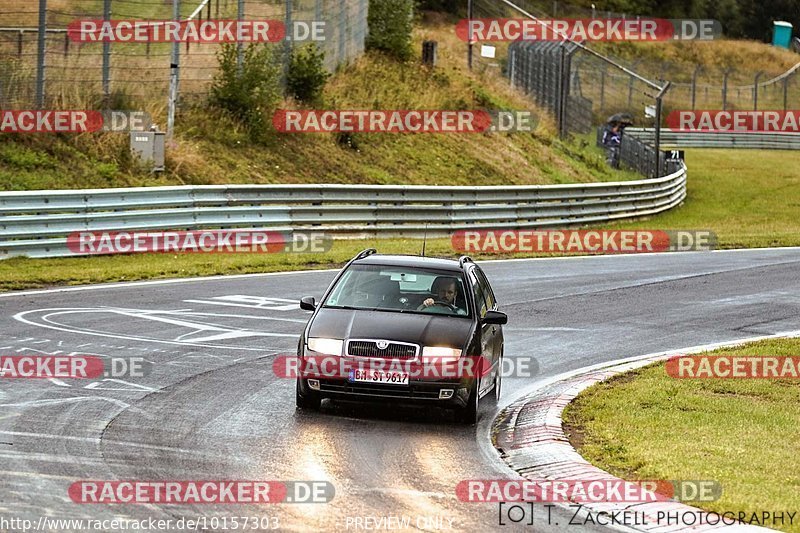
point(469, 413)
point(309, 400)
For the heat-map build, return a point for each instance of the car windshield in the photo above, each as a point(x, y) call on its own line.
point(400, 289)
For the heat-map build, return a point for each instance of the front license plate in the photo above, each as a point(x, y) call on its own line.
point(379, 376)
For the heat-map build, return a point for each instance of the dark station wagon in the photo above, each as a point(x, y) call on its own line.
point(409, 309)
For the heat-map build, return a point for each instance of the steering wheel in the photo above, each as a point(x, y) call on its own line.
point(442, 303)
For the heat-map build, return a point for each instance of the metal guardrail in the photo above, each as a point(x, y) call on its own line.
point(37, 223)
point(763, 141)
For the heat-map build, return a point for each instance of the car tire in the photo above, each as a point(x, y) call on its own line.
point(310, 400)
point(469, 413)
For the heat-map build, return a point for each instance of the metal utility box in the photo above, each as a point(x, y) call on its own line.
point(782, 34)
point(149, 147)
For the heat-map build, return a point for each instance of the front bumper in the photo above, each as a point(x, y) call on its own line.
point(416, 392)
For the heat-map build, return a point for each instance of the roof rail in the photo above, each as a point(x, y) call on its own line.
point(464, 259)
point(365, 253)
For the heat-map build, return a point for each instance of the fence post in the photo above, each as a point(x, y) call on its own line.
point(107, 57)
point(343, 21)
point(42, 48)
point(725, 88)
point(563, 85)
point(659, 102)
point(288, 45)
point(630, 85)
point(174, 73)
point(240, 45)
point(602, 87)
point(469, 33)
point(785, 92)
point(694, 85)
point(511, 65)
point(755, 90)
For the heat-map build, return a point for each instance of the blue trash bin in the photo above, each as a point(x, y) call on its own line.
point(782, 34)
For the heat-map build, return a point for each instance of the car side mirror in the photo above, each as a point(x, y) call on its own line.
point(308, 303)
point(495, 317)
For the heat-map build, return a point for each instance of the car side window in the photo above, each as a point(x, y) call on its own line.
point(477, 291)
point(488, 294)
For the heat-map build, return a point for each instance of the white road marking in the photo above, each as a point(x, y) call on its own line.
point(97, 385)
point(252, 302)
point(56, 401)
point(48, 323)
point(247, 317)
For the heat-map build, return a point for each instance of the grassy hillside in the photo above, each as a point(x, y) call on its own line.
point(210, 148)
point(744, 58)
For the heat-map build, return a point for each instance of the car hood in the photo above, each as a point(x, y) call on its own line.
point(422, 329)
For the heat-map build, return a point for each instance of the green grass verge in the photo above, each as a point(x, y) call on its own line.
point(741, 433)
point(748, 197)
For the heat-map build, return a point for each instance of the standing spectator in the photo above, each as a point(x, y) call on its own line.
point(612, 137)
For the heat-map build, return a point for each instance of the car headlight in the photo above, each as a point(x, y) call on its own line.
point(440, 352)
point(325, 346)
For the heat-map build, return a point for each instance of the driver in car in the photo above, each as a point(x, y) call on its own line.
point(446, 290)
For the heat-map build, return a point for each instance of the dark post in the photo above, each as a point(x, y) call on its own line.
point(725, 89)
point(603, 88)
point(785, 92)
point(40, 71)
point(106, 56)
point(659, 101)
point(755, 90)
point(240, 45)
point(469, 34)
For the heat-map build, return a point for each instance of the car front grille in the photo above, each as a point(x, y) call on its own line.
point(394, 350)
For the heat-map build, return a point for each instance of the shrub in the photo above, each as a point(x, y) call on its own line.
point(390, 25)
point(307, 74)
point(251, 92)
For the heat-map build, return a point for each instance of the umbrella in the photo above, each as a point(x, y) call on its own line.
point(621, 118)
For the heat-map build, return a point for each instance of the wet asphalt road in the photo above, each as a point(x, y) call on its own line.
point(212, 407)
